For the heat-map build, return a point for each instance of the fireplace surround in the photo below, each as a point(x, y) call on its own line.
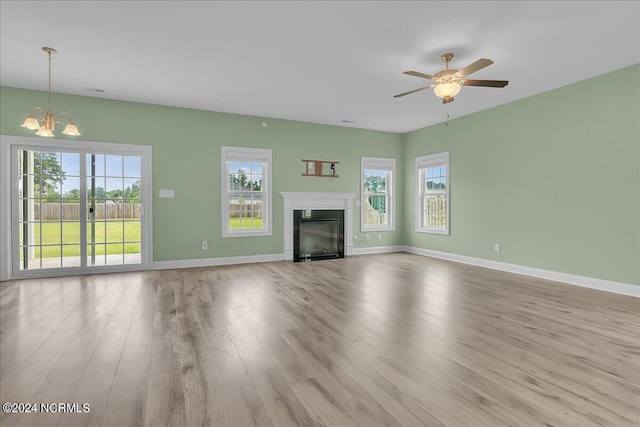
point(317, 201)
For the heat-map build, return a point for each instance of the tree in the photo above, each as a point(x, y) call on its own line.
point(72, 195)
point(48, 174)
point(376, 184)
point(243, 182)
point(132, 194)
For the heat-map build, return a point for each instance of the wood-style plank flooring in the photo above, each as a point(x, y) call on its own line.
point(393, 339)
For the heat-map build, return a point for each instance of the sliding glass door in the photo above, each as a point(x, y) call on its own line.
point(48, 209)
point(77, 210)
point(114, 212)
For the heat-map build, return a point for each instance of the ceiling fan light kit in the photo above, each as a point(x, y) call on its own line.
point(448, 82)
point(46, 123)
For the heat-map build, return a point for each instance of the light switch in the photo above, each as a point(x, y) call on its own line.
point(166, 194)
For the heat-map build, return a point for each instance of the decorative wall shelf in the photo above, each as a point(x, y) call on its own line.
point(316, 168)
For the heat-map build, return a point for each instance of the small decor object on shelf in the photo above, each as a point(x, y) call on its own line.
point(45, 124)
point(315, 168)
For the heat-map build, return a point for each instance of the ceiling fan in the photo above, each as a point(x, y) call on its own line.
point(449, 81)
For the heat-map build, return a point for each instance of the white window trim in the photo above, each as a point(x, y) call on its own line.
point(381, 164)
point(7, 145)
point(424, 162)
point(249, 155)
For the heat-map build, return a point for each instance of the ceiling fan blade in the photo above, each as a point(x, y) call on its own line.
point(414, 91)
point(486, 83)
point(417, 74)
point(447, 99)
point(472, 68)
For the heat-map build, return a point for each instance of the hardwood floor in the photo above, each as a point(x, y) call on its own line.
point(393, 339)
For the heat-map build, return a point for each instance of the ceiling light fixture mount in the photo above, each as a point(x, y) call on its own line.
point(447, 83)
point(46, 123)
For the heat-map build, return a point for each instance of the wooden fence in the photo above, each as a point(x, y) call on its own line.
point(246, 210)
point(435, 211)
point(71, 211)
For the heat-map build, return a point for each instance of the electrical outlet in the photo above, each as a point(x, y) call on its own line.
point(497, 247)
point(379, 236)
point(366, 237)
point(205, 245)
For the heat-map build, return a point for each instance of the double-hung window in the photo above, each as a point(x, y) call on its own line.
point(432, 191)
point(246, 192)
point(377, 191)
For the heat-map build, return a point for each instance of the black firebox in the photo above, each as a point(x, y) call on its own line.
point(318, 234)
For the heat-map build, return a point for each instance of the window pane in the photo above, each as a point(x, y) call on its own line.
point(115, 231)
point(132, 253)
point(435, 210)
point(71, 256)
point(375, 210)
point(114, 188)
point(71, 232)
point(71, 164)
point(132, 166)
point(71, 210)
point(375, 181)
point(71, 187)
point(114, 165)
point(132, 231)
point(115, 254)
point(51, 233)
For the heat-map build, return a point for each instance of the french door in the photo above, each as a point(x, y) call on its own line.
point(78, 210)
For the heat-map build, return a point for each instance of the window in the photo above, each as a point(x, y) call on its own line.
point(377, 190)
point(432, 190)
point(246, 192)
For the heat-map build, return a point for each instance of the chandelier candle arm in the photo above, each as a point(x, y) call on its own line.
point(46, 123)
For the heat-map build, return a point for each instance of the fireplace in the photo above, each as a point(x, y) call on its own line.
point(318, 234)
point(293, 201)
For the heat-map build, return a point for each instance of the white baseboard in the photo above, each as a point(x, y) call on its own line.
point(572, 279)
point(378, 250)
point(211, 262)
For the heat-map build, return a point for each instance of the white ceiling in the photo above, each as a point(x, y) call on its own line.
point(321, 62)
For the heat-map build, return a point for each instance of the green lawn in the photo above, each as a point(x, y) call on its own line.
point(111, 233)
point(108, 236)
point(234, 223)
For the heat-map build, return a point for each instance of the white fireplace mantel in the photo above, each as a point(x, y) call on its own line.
point(317, 200)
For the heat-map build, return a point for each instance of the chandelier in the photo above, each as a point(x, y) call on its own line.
point(46, 123)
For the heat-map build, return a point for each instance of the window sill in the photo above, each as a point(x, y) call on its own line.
point(432, 231)
point(226, 234)
point(377, 228)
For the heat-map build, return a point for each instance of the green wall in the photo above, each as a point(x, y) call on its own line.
point(553, 178)
point(186, 158)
